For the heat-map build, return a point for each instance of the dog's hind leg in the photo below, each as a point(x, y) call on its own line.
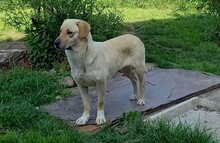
point(85, 116)
point(101, 87)
point(127, 71)
point(140, 72)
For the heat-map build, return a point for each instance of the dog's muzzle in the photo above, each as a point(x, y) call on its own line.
point(57, 45)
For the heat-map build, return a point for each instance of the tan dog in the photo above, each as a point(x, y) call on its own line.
point(93, 63)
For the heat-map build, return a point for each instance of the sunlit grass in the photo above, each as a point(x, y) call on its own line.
point(133, 15)
point(8, 33)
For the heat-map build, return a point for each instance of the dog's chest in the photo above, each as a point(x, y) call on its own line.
point(85, 79)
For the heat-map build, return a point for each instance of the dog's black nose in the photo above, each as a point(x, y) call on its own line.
point(57, 43)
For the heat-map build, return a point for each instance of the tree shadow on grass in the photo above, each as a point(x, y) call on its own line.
point(183, 42)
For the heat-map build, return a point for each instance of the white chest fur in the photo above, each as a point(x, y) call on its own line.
point(78, 71)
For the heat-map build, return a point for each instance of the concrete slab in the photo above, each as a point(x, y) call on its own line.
point(193, 112)
point(203, 117)
point(213, 95)
point(164, 87)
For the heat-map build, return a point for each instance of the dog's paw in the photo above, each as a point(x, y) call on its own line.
point(82, 120)
point(133, 97)
point(100, 120)
point(141, 102)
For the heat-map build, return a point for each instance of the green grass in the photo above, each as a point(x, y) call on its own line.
point(22, 92)
point(8, 33)
point(176, 39)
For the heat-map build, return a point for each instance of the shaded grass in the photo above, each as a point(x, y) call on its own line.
point(175, 39)
point(22, 92)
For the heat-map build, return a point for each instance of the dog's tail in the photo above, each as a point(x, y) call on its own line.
point(149, 67)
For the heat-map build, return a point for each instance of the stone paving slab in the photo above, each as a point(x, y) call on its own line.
point(13, 54)
point(164, 86)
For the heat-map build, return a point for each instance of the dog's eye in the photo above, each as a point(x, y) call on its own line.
point(69, 32)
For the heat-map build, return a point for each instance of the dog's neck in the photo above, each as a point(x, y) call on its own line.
point(82, 55)
point(89, 38)
point(91, 49)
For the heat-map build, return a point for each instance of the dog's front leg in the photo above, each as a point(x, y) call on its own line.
point(100, 119)
point(85, 116)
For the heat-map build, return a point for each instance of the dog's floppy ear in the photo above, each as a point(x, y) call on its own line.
point(84, 29)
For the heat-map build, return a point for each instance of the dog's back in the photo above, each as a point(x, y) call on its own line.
point(126, 43)
point(126, 50)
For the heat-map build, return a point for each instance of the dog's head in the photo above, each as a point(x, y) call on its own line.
point(72, 33)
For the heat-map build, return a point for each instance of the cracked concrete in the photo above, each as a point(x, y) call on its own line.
point(171, 92)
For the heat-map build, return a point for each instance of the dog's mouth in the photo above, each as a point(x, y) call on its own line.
point(58, 45)
point(59, 48)
point(68, 48)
